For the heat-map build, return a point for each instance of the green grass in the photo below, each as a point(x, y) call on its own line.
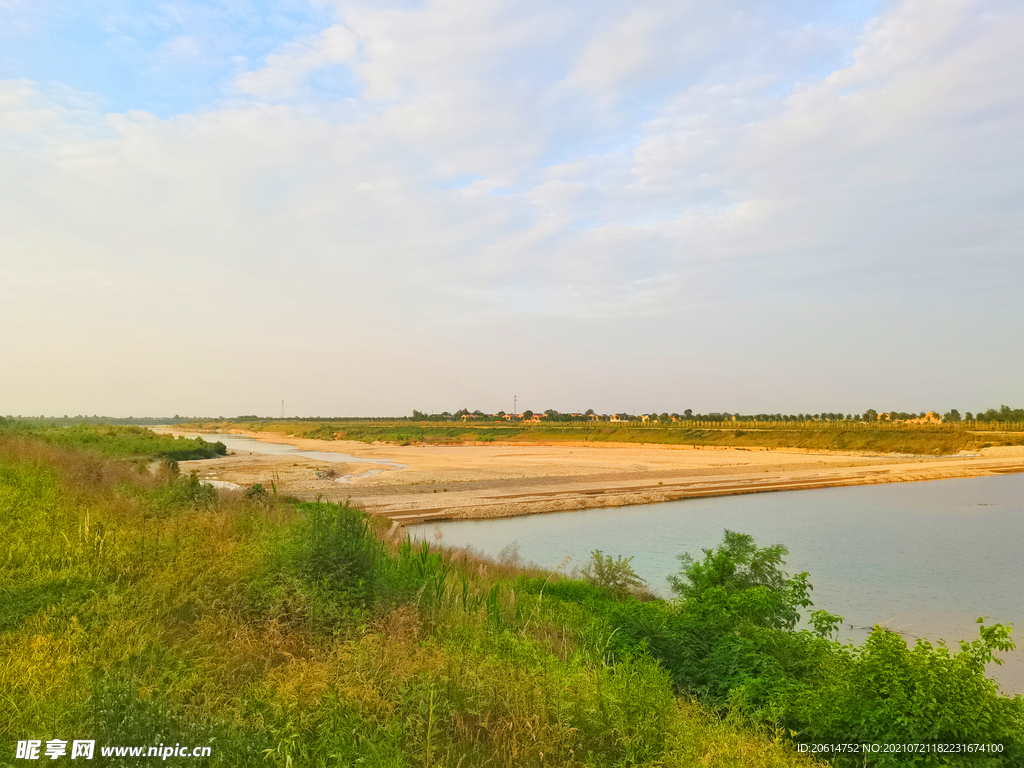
point(113, 440)
point(138, 609)
point(831, 436)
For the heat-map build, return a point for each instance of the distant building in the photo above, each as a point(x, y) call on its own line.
point(929, 418)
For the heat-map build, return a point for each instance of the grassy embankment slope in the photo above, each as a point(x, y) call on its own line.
point(141, 608)
point(120, 441)
point(836, 436)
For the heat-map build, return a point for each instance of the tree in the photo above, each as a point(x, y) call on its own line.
point(952, 416)
point(870, 415)
point(527, 414)
point(688, 413)
point(739, 582)
point(615, 574)
point(588, 412)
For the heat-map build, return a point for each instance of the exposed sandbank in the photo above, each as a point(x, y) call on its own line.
point(504, 479)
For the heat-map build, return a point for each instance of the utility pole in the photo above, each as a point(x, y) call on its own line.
point(282, 409)
point(515, 402)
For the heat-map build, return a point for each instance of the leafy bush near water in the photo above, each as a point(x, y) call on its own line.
point(733, 639)
point(614, 574)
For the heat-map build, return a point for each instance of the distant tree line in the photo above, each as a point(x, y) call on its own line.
point(1002, 414)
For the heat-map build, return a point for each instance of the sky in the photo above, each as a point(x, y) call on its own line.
point(362, 208)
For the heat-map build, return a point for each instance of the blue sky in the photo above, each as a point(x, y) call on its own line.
point(164, 58)
point(371, 207)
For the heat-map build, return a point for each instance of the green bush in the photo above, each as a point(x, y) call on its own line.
point(257, 493)
point(886, 692)
point(189, 491)
point(333, 545)
point(614, 574)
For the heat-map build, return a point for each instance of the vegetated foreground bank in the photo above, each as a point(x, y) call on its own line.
point(144, 608)
point(481, 480)
point(883, 437)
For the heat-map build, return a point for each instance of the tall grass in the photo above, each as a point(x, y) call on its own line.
point(140, 608)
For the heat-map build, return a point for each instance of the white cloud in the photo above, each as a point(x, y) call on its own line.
point(20, 17)
point(497, 172)
point(621, 50)
point(285, 72)
point(183, 49)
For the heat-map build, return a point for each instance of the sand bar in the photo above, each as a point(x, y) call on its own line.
point(483, 480)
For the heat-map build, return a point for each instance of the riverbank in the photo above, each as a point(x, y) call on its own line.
point(505, 479)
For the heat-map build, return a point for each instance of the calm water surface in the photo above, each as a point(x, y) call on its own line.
point(925, 559)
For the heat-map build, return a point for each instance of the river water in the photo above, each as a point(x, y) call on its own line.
point(925, 559)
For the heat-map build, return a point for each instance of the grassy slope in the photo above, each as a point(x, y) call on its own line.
point(114, 440)
point(920, 441)
point(139, 609)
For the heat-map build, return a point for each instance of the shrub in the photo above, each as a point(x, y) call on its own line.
point(886, 692)
point(739, 581)
point(336, 547)
point(614, 574)
point(256, 493)
point(190, 492)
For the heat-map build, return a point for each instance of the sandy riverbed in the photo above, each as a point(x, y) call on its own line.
point(505, 479)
